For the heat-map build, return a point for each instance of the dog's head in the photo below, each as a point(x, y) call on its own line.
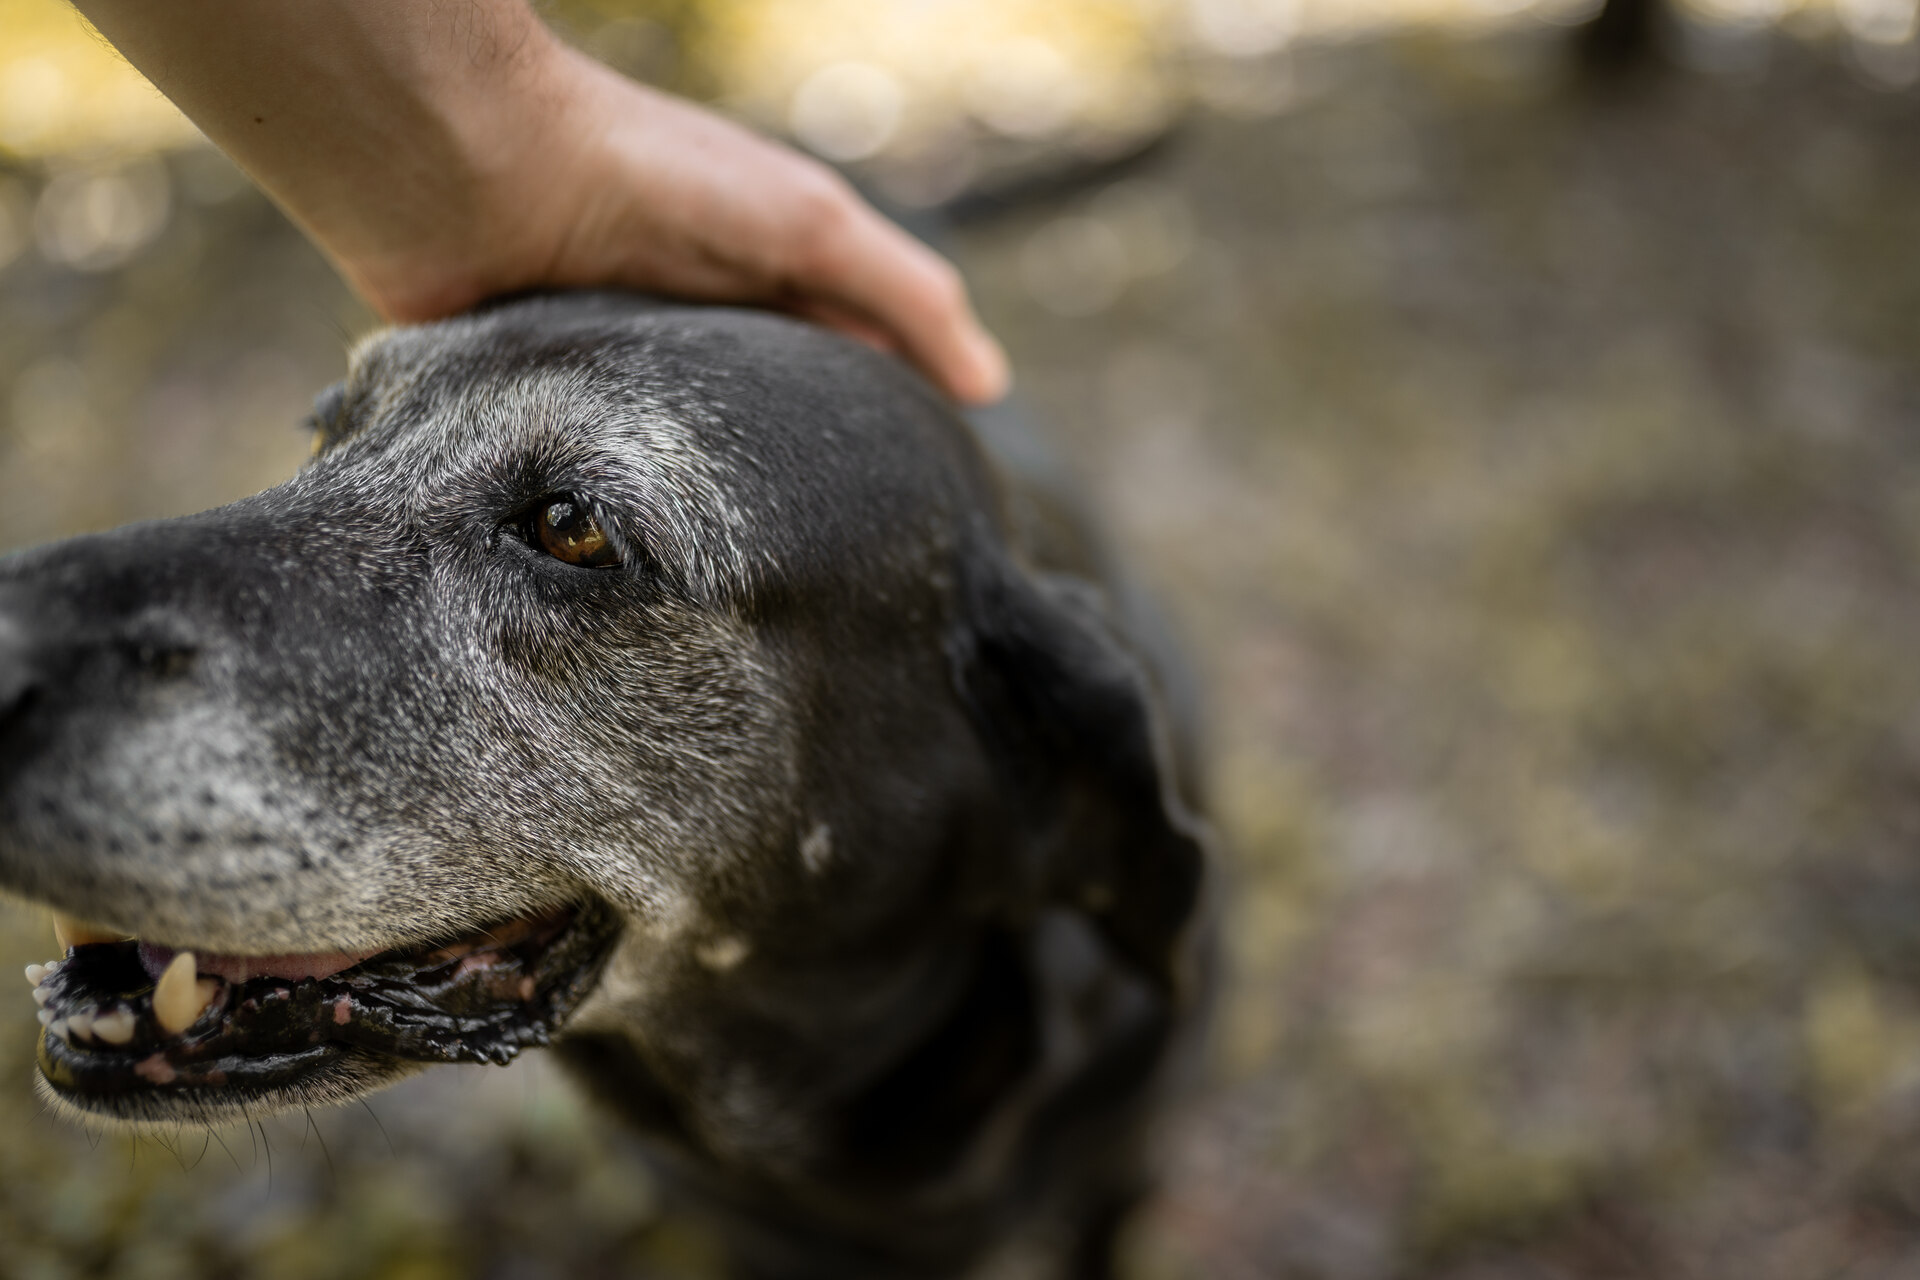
point(593, 626)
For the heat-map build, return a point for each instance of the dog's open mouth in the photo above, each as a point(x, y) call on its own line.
point(126, 1017)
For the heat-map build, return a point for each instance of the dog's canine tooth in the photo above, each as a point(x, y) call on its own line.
point(36, 974)
point(70, 931)
point(81, 1023)
point(177, 998)
point(115, 1027)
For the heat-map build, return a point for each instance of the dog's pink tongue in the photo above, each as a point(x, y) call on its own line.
point(318, 964)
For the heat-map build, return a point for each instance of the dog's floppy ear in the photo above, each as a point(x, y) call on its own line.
point(1073, 721)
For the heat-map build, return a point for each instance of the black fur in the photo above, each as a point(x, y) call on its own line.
point(859, 741)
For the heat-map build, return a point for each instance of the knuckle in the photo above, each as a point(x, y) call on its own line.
point(822, 214)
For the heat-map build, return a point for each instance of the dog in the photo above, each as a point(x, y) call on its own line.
point(682, 687)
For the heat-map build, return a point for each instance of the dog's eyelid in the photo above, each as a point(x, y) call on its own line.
point(570, 527)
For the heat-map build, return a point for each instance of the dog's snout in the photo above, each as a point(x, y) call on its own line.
point(42, 648)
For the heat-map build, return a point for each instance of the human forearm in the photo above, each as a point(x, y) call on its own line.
point(444, 151)
point(370, 121)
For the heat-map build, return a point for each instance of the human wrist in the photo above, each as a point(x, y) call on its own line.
point(479, 157)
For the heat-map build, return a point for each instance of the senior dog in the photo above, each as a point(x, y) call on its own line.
point(681, 687)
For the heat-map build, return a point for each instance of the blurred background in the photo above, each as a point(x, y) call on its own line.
point(1517, 404)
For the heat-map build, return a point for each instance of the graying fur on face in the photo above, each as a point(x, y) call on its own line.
point(846, 753)
point(634, 757)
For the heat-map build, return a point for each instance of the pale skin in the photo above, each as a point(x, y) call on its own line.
point(442, 152)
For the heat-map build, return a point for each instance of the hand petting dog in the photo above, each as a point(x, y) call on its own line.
point(445, 154)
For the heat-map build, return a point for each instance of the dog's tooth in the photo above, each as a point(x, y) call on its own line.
point(115, 1027)
point(70, 931)
point(41, 995)
point(36, 974)
point(59, 1028)
point(81, 1023)
point(177, 998)
point(45, 1016)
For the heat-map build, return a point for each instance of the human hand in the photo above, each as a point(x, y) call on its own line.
point(609, 182)
point(444, 154)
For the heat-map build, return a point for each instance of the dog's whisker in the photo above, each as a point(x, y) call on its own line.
point(224, 1147)
point(381, 1127)
point(318, 1137)
point(267, 1146)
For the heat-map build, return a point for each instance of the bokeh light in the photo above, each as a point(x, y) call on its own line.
point(62, 89)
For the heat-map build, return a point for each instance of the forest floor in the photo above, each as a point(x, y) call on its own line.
point(1537, 478)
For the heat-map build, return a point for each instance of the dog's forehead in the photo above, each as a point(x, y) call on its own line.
point(470, 420)
point(431, 401)
point(743, 442)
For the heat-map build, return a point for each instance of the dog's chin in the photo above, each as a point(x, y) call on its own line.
point(139, 1036)
point(343, 1077)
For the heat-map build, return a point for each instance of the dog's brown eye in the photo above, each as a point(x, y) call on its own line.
point(567, 531)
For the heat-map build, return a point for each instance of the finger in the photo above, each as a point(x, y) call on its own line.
point(851, 323)
point(872, 269)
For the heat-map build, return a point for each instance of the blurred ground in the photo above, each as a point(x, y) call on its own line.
point(1538, 479)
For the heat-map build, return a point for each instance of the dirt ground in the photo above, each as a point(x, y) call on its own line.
point(1537, 479)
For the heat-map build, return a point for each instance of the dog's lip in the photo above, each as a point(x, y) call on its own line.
point(155, 957)
point(232, 967)
point(481, 997)
point(294, 966)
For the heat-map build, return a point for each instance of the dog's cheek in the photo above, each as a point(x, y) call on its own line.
point(661, 745)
